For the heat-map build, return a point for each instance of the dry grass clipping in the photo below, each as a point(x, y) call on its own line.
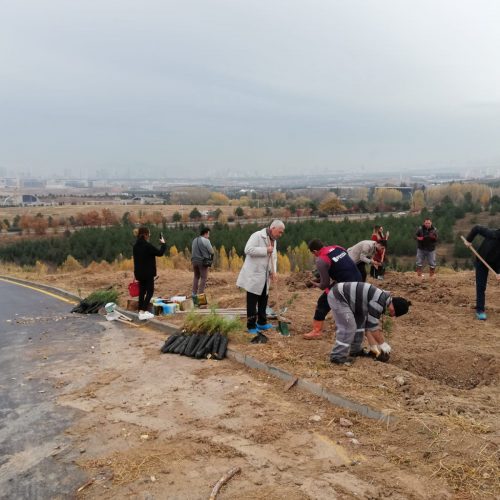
point(480, 477)
point(136, 463)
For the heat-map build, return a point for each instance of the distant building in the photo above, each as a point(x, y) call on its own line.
point(23, 200)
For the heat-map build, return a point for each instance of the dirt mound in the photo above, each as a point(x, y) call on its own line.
point(452, 368)
point(298, 281)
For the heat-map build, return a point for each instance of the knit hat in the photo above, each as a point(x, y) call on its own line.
point(401, 305)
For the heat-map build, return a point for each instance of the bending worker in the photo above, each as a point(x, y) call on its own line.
point(332, 263)
point(363, 253)
point(357, 309)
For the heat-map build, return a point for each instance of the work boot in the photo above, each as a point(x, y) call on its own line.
point(432, 273)
point(315, 333)
point(344, 361)
point(419, 271)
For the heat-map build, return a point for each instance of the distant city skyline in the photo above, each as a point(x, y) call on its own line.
point(196, 89)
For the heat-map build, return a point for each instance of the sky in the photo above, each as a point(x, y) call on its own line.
point(248, 87)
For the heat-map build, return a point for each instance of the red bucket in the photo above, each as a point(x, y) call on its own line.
point(133, 289)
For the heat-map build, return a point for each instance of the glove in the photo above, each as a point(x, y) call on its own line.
point(385, 348)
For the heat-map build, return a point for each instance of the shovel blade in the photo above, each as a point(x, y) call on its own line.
point(283, 329)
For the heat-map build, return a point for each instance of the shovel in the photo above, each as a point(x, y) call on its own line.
point(480, 258)
point(282, 323)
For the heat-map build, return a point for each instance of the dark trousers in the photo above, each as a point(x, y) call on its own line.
point(146, 290)
point(481, 281)
point(200, 278)
point(362, 269)
point(322, 307)
point(256, 308)
point(375, 273)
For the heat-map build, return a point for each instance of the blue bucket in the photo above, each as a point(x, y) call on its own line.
point(169, 308)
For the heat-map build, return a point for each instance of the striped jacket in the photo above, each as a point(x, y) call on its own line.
point(364, 300)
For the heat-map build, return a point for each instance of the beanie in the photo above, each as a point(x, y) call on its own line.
point(401, 305)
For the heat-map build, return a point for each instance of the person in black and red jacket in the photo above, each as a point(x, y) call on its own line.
point(145, 269)
point(426, 236)
point(333, 264)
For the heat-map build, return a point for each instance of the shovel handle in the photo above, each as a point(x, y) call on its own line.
point(474, 251)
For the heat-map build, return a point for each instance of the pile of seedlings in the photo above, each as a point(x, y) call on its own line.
point(197, 345)
point(204, 336)
point(96, 300)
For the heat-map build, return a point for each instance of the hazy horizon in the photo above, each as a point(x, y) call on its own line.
point(197, 88)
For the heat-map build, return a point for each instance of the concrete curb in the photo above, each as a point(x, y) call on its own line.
point(245, 359)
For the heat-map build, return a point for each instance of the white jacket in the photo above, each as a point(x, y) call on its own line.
point(362, 251)
point(257, 267)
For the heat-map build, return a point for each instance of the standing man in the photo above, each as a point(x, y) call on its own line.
point(489, 250)
point(257, 272)
point(426, 237)
point(332, 263)
point(357, 308)
point(363, 253)
point(202, 255)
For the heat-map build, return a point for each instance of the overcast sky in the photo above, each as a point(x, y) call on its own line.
point(192, 87)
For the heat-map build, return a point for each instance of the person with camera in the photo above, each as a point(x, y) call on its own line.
point(426, 236)
point(202, 255)
point(145, 254)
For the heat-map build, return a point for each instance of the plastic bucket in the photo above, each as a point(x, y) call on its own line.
point(169, 308)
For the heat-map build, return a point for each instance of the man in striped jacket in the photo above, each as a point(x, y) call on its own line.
point(357, 308)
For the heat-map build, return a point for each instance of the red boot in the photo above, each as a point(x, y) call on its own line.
point(315, 333)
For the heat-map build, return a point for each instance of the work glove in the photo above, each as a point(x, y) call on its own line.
point(385, 348)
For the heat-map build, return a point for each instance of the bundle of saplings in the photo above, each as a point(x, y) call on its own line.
point(197, 345)
point(205, 336)
point(92, 303)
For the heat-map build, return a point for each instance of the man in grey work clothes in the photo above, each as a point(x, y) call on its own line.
point(357, 308)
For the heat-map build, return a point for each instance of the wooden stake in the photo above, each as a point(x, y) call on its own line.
point(223, 480)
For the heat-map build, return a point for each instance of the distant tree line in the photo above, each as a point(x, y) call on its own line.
point(95, 244)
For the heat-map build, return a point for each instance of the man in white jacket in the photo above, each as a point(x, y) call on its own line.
point(257, 272)
point(363, 253)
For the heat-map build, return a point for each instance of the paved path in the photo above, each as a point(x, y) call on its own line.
point(36, 329)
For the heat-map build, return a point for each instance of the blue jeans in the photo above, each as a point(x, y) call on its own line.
point(481, 281)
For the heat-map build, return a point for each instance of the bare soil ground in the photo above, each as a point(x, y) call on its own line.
point(441, 383)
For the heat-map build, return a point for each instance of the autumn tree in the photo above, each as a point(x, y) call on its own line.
point(418, 200)
point(331, 205)
point(108, 217)
point(195, 214)
point(218, 199)
point(388, 196)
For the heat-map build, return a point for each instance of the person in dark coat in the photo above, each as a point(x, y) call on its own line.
point(145, 269)
point(426, 236)
point(489, 250)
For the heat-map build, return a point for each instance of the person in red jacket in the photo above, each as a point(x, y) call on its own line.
point(378, 234)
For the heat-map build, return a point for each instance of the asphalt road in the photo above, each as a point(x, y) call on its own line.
point(37, 331)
